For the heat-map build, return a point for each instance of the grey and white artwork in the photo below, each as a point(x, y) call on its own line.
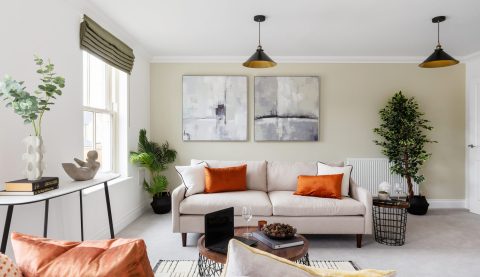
point(214, 108)
point(286, 108)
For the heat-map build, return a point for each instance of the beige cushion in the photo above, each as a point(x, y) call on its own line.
point(286, 204)
point(326, 169)
point(209, 202)
point(283, 175)
point(256, 171)
point(243, 260)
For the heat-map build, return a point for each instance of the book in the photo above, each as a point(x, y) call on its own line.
point(27, 185)
point(277, 244)
point(27, 193)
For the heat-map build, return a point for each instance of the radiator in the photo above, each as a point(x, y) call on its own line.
point(370, 172)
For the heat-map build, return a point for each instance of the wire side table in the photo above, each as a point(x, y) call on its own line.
point(390, 221)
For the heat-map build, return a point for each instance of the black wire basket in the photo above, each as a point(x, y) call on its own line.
point(390, 223)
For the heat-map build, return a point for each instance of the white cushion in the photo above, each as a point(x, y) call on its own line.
point(243, 260)
point(193, 178)
point(325, 169)
point(285, 203)
point(209, 202)
point(256, 171)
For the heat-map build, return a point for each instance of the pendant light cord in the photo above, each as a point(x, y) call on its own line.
point(438, 34)
point(259, 44)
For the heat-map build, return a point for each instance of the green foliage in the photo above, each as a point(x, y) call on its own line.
point(403, 138)
point(31, 107)
point(155, 158)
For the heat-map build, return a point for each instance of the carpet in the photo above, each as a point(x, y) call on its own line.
point(189, 268)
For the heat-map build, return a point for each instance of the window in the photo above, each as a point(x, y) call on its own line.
point(103, 87)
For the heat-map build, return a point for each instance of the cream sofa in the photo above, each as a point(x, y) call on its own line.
point(270, 187)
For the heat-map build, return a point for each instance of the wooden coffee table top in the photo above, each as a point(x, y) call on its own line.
point(290, 253)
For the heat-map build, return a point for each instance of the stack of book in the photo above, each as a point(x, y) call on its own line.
point(28, 187)
point(277, 244)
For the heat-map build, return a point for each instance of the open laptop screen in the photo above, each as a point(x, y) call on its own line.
point(219, 226)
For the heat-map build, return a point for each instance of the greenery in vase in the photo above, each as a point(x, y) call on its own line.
point(403, 138)
point(155, 158)
point(32, 107)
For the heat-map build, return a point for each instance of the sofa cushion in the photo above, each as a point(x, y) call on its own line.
point(284, 203)
point(115, 257)
point(283, 175)
point(211, 202)
point(256, 171)
point(225, 179)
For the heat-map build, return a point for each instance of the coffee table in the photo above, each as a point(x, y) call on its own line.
point(210, 263)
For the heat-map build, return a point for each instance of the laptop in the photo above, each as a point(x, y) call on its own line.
point(219, 230)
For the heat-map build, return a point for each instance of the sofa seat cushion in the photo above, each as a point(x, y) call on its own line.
point(210, 202)
point(286, 204)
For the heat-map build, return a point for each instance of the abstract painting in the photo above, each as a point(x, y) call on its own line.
point(215, 108)
point(286, 108)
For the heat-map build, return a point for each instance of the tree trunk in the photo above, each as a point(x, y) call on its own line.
point(410, 187)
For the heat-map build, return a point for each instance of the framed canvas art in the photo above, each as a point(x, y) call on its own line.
point(215, 108)
point(287, 108)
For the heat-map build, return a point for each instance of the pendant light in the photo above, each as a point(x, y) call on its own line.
point(259, 59)
point(439, 58)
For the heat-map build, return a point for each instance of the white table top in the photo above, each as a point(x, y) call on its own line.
point(64, 187)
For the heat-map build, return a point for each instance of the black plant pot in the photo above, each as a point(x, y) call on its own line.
point(418, 205)
point(161, 204)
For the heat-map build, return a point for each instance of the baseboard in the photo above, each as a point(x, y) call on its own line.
point(120, 223)
point(447, 203)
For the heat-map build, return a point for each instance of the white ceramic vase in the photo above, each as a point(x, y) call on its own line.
point(33, 157)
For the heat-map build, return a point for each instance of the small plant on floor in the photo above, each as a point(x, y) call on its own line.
point(403, 136)
point(155, 158)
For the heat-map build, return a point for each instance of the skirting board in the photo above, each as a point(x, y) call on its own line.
point(447, 203)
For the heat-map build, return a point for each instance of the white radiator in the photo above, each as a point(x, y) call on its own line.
point(370, 172)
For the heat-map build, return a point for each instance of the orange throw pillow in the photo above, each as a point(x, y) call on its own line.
point(327, 186)
point(38, 257)
point(225, 179)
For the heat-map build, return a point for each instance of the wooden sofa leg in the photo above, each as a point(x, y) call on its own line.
point(359, 240)
point(184, 239)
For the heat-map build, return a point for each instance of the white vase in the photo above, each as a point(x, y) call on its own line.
point(33, 157)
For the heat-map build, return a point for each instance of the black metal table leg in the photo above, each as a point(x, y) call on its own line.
point(109, 210)
point(6, 229)
point(81, 214)
point(45, 219)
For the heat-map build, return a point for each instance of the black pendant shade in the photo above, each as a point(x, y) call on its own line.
point(439, 58)
point(259, 59)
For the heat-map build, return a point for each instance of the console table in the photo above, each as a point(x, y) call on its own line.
point(64, 188)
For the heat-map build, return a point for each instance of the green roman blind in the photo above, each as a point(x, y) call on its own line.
point(100, 42)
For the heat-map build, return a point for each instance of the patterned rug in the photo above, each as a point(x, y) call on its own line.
point(189, 268)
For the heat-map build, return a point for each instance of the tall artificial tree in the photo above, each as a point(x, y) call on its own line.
point(403, 139)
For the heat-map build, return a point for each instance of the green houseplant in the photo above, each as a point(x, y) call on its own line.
point(155, 158)
point(31, 107)
point(402, 130)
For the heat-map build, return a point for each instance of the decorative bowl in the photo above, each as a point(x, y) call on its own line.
point(279, 231)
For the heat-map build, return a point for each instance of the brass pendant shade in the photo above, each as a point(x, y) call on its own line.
point(259, 59)
point(439, 58)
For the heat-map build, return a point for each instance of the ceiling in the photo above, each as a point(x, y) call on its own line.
point(341, 28)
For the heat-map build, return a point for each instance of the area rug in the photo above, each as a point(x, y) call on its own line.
point(189, 268)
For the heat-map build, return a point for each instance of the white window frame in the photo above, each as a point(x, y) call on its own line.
point(111, 104)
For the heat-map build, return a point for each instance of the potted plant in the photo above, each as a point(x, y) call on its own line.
point(155, 158)
point(403, 141)
point(32, 107)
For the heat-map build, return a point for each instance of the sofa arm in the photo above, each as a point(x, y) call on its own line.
point(178, 194)
point(365, 197)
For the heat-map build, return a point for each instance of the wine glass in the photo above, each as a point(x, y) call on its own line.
point(247, 216)
point(398, 190)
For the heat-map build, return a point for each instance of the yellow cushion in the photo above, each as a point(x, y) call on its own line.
point(243, 260)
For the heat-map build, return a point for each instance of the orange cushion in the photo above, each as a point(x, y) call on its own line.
point(37, 256)
point(226, 179)
point(327, 186)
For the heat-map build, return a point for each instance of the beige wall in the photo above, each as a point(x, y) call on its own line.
point(350, 98)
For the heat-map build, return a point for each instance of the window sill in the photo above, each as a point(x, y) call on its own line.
point(114, 182)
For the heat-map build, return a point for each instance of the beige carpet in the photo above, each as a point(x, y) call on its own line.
point(179, 268)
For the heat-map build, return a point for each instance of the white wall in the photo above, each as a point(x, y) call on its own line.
point(50, 28)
